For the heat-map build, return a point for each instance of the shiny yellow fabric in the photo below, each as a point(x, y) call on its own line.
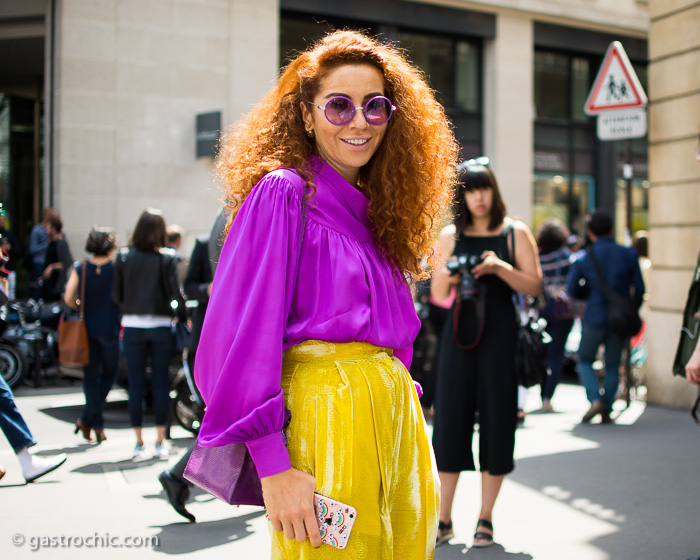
point(357, 426)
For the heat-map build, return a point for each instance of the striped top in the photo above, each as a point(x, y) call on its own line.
point(555, 269)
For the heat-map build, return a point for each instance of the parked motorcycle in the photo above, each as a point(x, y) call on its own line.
point(13, 364)
point(29, 329)
point(186, 403)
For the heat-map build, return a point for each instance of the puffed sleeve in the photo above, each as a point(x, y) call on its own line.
point(239, 360)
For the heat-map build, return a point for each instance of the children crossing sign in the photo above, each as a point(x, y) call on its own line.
point(616, 87)
point(617, 98)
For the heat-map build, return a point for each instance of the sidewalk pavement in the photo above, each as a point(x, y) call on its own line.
point(628, 491)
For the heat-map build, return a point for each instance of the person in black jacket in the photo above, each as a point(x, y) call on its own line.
point(198, 281)
point(147, 289)
point(59, 262)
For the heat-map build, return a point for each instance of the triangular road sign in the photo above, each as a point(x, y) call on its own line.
point(616, 87)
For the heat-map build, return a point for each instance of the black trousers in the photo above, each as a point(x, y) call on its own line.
point(477, 386)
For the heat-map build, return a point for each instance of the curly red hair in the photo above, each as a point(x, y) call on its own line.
point(408, 181)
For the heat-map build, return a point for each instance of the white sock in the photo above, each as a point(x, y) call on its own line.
point(26, 459)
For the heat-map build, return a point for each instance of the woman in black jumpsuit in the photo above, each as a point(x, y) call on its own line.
point(476, 379)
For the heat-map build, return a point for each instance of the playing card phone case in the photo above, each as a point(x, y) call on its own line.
point(335, 521)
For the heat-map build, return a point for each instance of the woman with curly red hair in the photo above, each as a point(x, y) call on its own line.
point(335, 182)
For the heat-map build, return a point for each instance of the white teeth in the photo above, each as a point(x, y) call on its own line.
point(357, 142)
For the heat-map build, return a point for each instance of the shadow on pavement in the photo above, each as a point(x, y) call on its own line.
point(634, 478)
point(494, 552)
point(179, 538)
point(74, 449)
point(125, 465)
point(115, 413)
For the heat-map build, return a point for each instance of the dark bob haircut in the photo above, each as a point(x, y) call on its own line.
point(149, 234)
point(551, 236)
point(472, 177)
point(100, 241)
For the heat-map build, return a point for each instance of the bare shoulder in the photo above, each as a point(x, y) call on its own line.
point(446, 241)
point(520, 226)
point(448, 233)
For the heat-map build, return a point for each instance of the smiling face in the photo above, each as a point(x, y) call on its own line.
point(348, 147)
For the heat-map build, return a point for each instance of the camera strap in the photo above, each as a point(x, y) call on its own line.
point(480, 315)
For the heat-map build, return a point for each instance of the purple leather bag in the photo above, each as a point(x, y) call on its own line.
point(228, 472)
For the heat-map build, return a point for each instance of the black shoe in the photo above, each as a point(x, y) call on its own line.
point(177, 493)
point(596, 408)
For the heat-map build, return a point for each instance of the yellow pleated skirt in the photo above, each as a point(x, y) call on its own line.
point(357, 426)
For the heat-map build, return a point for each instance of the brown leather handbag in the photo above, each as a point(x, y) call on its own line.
point(73, 344)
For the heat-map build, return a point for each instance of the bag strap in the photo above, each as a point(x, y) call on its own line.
point(518, 300)
point(599, 272)
point(511, 234)
point(81, 306)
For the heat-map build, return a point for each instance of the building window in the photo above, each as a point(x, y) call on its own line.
point(564, 177)
point(453, 69)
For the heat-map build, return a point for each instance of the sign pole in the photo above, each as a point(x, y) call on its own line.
point(619, 100)
point(628, 173)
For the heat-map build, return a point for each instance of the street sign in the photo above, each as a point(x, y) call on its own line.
point(616, 87)
point(621, 125)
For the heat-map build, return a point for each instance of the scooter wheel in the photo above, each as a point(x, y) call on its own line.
point(13, 365)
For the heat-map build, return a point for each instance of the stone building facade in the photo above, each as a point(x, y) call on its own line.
point(674, 174)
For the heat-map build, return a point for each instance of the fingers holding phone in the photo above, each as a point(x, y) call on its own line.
point(289, 500)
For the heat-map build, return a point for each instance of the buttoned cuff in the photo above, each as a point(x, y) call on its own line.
point(269, 454)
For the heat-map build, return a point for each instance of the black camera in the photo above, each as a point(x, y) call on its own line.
point(468, 285)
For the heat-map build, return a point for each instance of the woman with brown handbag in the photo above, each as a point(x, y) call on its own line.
point(102, 322)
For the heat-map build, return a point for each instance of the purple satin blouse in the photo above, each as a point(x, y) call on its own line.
point(343, 291)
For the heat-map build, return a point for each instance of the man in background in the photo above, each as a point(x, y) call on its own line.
point(620, 269)
point(38, 245)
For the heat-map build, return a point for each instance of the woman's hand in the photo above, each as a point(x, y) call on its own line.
point(289, 500)
point(692, 368)
point(450, 278)
point(490, 264)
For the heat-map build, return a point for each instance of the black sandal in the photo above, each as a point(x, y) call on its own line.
point(445, 532)
point(486, 538)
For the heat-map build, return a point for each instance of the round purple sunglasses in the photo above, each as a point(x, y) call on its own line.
point(340, 110)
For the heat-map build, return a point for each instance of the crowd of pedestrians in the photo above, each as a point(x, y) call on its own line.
point(129, 298)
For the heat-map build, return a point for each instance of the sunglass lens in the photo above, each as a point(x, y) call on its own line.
point(339, 110)
point(378, 110)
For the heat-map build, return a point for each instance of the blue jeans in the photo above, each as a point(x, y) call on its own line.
point(591, 339)
point(11, 421)
point(98, 377)
point(139, 345)
point(559, 330)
